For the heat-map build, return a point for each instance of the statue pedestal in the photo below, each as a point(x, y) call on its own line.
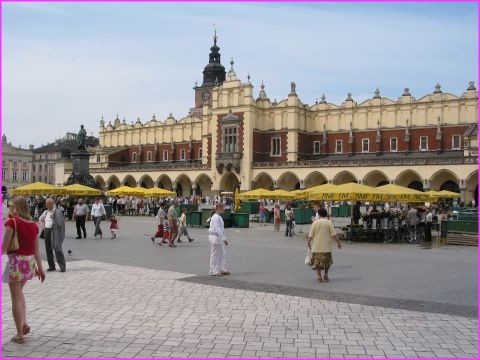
point(80, 170)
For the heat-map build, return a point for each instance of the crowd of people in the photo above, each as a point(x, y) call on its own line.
point(21, 235)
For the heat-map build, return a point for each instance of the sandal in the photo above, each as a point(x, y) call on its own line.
point(325, 278)
point(225, 273)
point(26, 330)
point(319, 278)
point(220, 274)
point(17, 340)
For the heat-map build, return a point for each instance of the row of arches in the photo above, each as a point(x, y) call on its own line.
point(182, 184)
point(441, 180)
point(202, 185)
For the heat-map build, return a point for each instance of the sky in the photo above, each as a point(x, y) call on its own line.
point(66, 64)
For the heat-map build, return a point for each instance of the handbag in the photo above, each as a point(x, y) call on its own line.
point(14, 245)
point(42, 234)
point(308, 259)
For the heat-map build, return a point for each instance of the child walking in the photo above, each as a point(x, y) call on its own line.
point(182, 225)
point(113, 226)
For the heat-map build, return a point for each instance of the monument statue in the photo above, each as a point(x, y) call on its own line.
point(81, 138)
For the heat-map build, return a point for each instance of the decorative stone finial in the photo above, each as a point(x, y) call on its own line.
point(248, 78)
point(102, 122)
point(170, 115)
point(138, 120)
point(349, 97)
point(196, 84)
point(316, 101)
point(322, 99)
point(377, 94)
point(153, 117)
point(274, 102)
point(406, 92)
point(293, 87)
point(378, 124)
point(262, 95)
point(471, 85)
point(437, 89)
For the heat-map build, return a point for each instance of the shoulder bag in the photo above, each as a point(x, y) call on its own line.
point(14, 245)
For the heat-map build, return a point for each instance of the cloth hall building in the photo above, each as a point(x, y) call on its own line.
point(233, 137)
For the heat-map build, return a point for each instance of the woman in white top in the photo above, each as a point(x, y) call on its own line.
point(218, 241)
point(320, 242)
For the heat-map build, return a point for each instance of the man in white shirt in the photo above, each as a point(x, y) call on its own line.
point(54, 232)
point(98, 211)
point(80, 215)
point(428, 225)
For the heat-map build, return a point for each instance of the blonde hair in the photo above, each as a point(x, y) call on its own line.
point(21, 206)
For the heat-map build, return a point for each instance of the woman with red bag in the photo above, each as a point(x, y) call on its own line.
point(23, 263)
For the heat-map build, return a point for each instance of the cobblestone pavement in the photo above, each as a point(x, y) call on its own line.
point(106, 310)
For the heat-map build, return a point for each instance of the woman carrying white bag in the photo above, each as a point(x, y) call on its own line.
point(218, 241)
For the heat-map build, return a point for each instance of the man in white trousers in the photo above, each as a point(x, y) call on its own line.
point(218, 241)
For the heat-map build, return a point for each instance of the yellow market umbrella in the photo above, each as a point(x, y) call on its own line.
point(318, 188)
point(402, 193)
point(125, 191)
point(352, 192)
point(81, 190)
point(158, 192)
point(257, 194)
point(283, 194)
point(443, 194)
point(299, 194)
point(38, 188)
point(316, 194)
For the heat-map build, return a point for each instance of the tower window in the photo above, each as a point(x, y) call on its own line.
point(98, 158)
point(182, 154)
point(456, 142)
point(165, 155)
point(365, 145)
point(423, 143)
point(149, 156)
point(134, 157)
point(393, 144)
point(316, 147)
point(339, 146)
point(230, 139)
point(200, 154)
point(276, 147)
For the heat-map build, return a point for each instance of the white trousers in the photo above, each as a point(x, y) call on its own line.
point(217, 258)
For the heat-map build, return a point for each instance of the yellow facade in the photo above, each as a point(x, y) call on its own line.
point(441, 117)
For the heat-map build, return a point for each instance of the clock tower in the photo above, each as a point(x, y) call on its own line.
point(213, 75)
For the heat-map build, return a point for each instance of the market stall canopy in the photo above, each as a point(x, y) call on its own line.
point(402, 193)
point(38, 188)
point(352, 192)
point(315, 193)
point(81, 190)
point(299, 194)
point(257, 194)
point(283, 194)
point(444, 194)
point(158, 192)
point(318, 188)
point(125, 191)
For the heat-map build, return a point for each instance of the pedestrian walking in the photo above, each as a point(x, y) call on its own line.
point(218, 241)
point(160, 218)
point(443, 226)
point(80, 215)
point(276, 218)
point(320, 239)
point(172, 223)
point(428, 225)
point(98, 212)
point(53, 224)
point(113, 226)
point(166, 231)
point(182, 226)
point(262, 214)
point(24, 262)
point(288, 220)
